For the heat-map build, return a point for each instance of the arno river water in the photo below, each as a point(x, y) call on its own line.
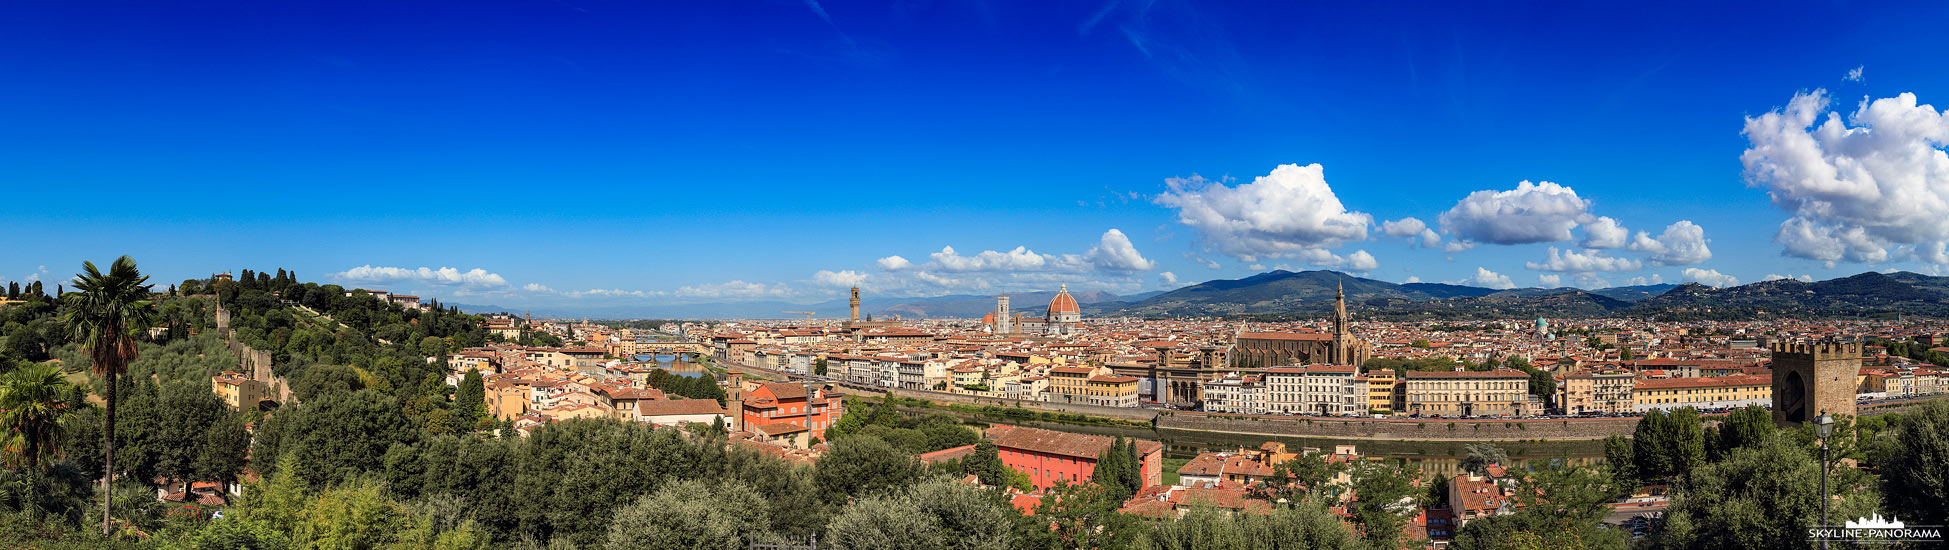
point(1437, 457)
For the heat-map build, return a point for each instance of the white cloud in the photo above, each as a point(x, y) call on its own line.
point(838, 279)
point(1591, 281)
point(1019, 259)
point(1854, 74)
point(1682, 243)
point(1866, 188)
point(445, 276)
point(1605, 232)
point(1550, 280)
point(1775, 277)
point(894, 263)
point(1256, 267)
point(1115, 253)
point(1710, 277)
point(1412, 228)
point(1412, 279)
point(537, 287)
point(1572, 261)
point(1169, 278)
point(1489, 279)
point(1289, 210)
point(1361, 261)
point(1456, 246)
point(1654, 279)
point(1209, 264)
point(734, 290)
point(1530, 213)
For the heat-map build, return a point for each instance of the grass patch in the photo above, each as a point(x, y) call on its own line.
point(1171, 466)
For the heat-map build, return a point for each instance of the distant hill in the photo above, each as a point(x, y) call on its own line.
point(1310, 293)
point(1287, 294)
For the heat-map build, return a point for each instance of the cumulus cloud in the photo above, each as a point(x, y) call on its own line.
point(1530, 213)
point(1361, 261)
point(1710, 277)
point(445, 276)
point(1865, 188)
point(1550, 280)
point(1289, 210)
point(1411, 280)
point(1854, 74)
point(1115, 253)
point(1682, 243)
point(1572, 261)
point(1489, 279)
point(1605, 232)
point(1653, 279)
point(1019, 259)
point(537, 287)
point(1591, 281)
point(1169, 278)
point(734, 290)
point(894, 263)
point(1775, 277)
point(838, 279)
point(1412, 228)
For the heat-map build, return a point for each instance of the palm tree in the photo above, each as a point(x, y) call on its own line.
point(32, 401)
point(105, 315)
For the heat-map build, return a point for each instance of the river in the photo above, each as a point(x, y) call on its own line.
point(1438, 457)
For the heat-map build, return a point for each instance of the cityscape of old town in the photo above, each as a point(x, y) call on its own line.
point(966, 275)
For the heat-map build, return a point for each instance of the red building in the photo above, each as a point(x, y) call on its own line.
point(775, 402)
point(1050, 456)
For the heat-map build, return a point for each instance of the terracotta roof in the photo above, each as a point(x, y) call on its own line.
point(1712, 382)
point(1498, 373)
point(1305, 336)
point(678, 406)
point(1059, 443)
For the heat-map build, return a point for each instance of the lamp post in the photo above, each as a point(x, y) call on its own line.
point(1823, 425)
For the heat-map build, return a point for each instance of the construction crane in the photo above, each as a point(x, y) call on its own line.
point(807, 314)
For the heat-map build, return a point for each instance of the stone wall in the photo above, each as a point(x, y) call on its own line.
point(254, 362)
point(1401, 429)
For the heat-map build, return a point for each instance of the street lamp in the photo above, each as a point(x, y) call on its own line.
point(1823, 425)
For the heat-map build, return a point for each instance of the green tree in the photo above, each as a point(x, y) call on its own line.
point(691, 514)
point(1744, 427)
point(1308, 525)
point(1687, 441)
point(1081, 515)
point(819, 366)
point(1651, 445)
point(433, 346)
point(470, 400)
point(1915, 469)
point(32, 402)
point(106, 315)
point(1621, 456)
point(985, 463)
point(863, 465)
point(1386, 502)
point(1307, 475)
point(1762, 496)
point(223, 450)
point(1480, 456)
point(937, 513)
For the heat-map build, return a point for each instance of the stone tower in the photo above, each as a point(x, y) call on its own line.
point(1810, 377)
point(1003, 318)
point(854, 304)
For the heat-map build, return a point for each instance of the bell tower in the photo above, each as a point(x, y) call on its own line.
point(1810, 377)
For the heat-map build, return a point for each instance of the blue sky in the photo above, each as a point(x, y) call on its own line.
point(581, 152)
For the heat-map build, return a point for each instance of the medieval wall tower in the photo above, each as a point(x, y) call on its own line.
point(1811, 377)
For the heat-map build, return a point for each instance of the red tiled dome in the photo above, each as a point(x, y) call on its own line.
point(1063, 303)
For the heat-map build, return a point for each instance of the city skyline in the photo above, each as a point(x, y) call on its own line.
point(573, 154)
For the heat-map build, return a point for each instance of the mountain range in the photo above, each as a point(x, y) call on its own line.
point(1287, 294)
point(1310, 293)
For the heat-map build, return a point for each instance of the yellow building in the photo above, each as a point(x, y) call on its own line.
point(1111, 391)
point(1069, 380)
point(1384, 391)
point(237, 391)
point(1469, 393)
point(1702, 393)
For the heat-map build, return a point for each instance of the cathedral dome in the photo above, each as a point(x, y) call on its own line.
point(988, 319)
point(1063, 303)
